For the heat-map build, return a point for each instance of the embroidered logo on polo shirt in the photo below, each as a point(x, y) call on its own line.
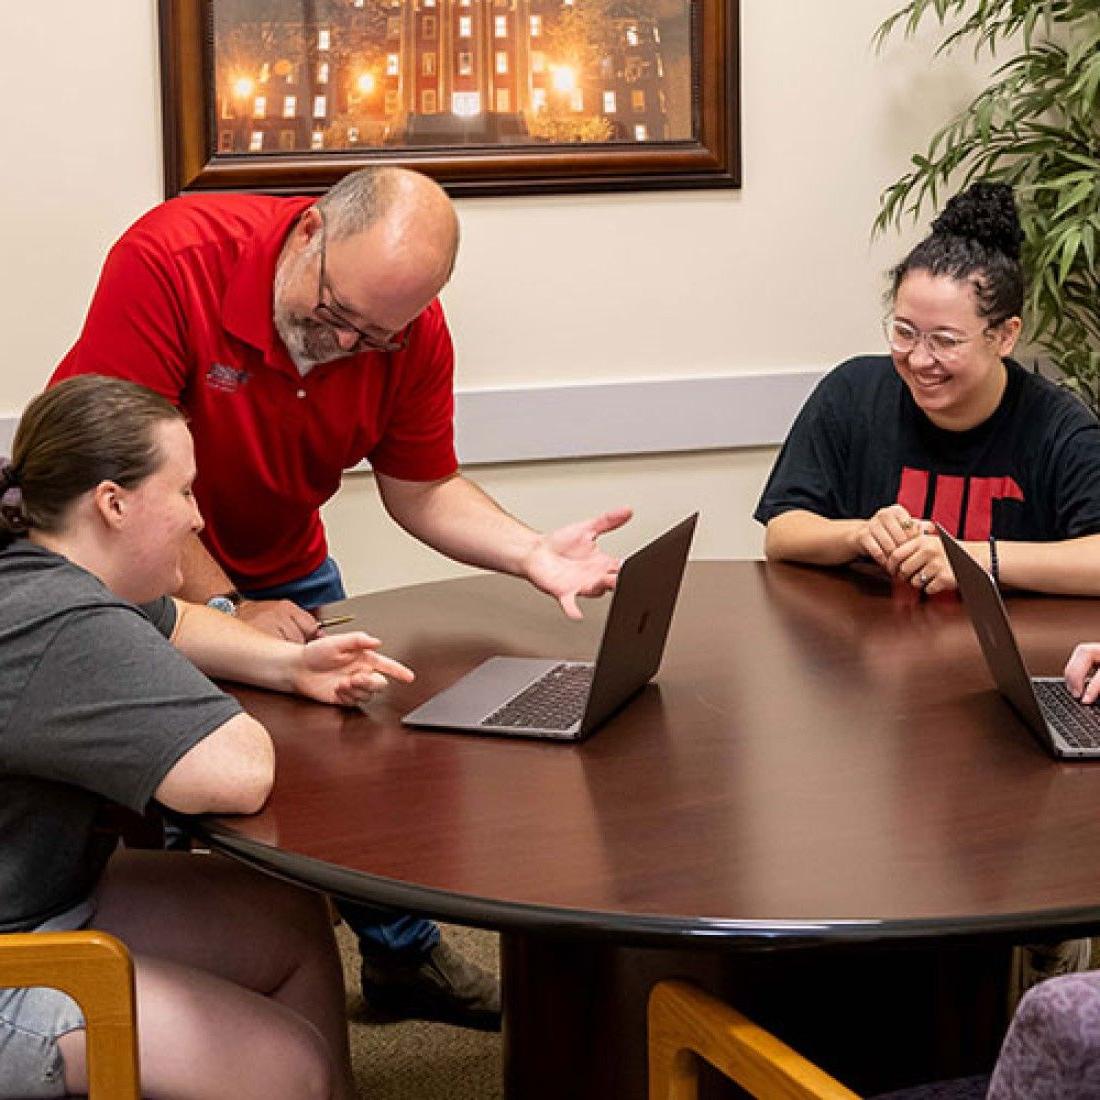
point(226, 379)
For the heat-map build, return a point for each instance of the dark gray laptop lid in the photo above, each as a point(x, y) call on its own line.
point(991, 623)
point(636, 629)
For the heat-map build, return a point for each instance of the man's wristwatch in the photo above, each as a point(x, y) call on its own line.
point(227, 602)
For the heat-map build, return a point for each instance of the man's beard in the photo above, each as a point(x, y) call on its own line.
point(308, 342)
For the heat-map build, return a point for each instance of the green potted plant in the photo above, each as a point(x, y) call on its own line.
point(1037, 127)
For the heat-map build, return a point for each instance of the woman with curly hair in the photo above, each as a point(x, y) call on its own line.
point(947, 428)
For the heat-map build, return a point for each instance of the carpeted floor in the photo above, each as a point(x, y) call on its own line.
point(421, 1061)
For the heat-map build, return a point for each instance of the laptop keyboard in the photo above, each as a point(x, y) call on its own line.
point(555, 701)
point(1077, 722)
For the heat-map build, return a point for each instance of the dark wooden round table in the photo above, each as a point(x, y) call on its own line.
point(821, 809)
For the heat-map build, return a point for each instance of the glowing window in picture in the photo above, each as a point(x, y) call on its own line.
point(637, 99)
point(324, 38)
point(290, 106)
point(536, 26)
point(259, 106)
point(465, 104)
point(317, 141)
point(465, 26)
point(609, 103)
point(320, 105)
point(501, 62)
point(465, 63)
point(640, 133)
point(632, 36)
point(322, 73)
point(392, 64)
point(500, 26)
point(256, 141)
point(538, 99)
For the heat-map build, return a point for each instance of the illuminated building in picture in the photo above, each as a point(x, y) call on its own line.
point(337, 74)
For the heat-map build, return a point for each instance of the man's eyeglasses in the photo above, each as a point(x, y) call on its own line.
point(395, 341)
point(942, 346)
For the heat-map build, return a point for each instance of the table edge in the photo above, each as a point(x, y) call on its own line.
point(642, 929)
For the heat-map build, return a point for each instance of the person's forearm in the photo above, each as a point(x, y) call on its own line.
point(1067, 568)
point(459, 520)
point(226, 648)
point(203, 577)
point(807, 537)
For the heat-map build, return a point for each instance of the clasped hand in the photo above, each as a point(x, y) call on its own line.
point(345, 669)
point(907, 548)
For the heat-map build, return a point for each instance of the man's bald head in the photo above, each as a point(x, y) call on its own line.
point(416, 212)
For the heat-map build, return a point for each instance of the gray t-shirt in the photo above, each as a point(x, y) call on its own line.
point(96, 705)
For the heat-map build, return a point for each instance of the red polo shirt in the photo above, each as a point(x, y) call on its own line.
point(184, 306)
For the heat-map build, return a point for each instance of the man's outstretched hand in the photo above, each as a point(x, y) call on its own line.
point(568, 563)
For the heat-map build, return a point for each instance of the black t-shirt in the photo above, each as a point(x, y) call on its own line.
point(1030, 473)
point(95, 705)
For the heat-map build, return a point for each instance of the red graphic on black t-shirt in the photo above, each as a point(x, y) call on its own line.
point(947, 504)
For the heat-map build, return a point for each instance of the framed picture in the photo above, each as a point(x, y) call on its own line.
point(486, 96)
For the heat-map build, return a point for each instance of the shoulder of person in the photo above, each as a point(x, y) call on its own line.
point(860, 380)
point(1054, 403)
point(189, 221)
point(43, 587)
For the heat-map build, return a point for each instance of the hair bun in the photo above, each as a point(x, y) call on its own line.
point(986, 213)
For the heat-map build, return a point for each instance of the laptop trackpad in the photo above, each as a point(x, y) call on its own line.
point(479, 693)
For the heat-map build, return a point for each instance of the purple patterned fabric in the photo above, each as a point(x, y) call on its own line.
point(1052, 1049)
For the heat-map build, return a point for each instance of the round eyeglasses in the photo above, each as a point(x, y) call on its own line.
point(943, 346)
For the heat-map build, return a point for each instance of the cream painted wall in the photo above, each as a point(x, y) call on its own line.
point(549, 290)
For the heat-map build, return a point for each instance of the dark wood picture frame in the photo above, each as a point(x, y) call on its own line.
point(711, 159)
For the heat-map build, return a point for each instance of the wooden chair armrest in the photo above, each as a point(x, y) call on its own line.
point(685, 1022)
point(96, 971)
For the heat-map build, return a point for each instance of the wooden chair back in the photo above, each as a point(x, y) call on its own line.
point(96, 971)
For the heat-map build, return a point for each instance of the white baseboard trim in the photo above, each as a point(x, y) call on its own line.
point(539, 423)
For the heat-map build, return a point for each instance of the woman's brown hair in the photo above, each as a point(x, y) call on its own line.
point(83, 431)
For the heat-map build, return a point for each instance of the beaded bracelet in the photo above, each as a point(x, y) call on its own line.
point(994, 565)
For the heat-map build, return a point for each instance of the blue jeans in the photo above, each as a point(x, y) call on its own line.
point(380, 931)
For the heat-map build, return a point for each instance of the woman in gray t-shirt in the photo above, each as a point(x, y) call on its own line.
point(237, 976)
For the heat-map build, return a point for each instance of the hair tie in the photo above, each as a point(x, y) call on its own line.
point(11, 497)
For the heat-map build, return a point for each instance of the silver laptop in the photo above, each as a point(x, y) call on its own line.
point(567, 700)
point(1062, 725)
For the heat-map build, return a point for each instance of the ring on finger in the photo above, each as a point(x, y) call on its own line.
point(924, 579)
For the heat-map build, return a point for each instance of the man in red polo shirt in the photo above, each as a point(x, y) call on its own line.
point(302, 338)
